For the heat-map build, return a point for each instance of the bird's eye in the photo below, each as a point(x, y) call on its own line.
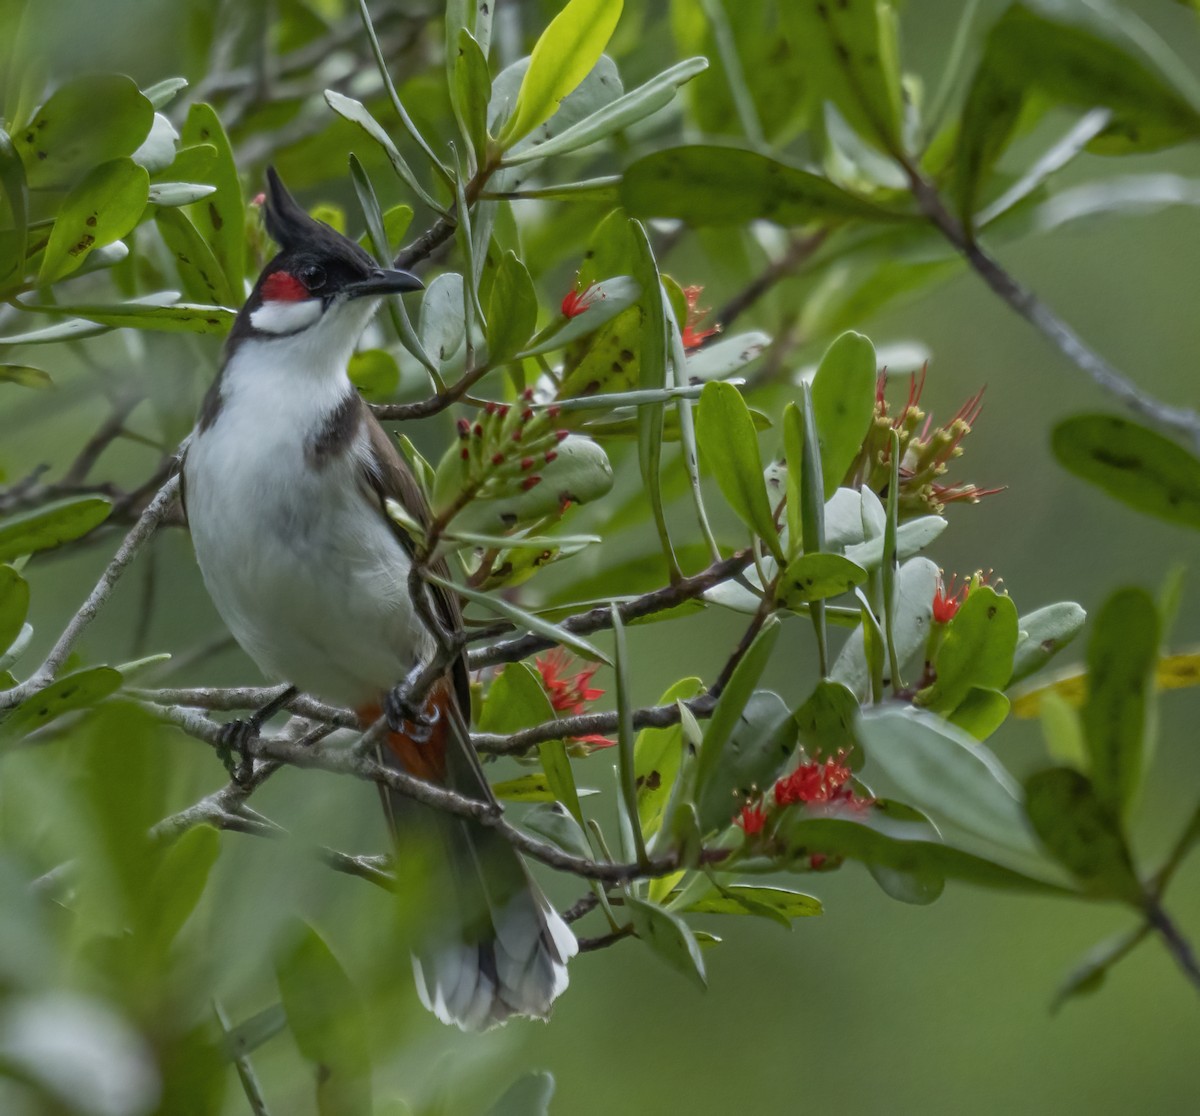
point(313, 277)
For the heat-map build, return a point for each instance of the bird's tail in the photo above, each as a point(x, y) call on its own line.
point(495, 947)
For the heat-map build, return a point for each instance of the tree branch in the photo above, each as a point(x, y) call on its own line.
point(600, 618)
point(1179, 420)
point(146, 525)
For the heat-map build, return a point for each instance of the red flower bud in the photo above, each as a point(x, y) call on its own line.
point(551, 455)
point(527, 414)
point(479, 430)
point(489, 407)
point(530, 482)
point(527, 463)
point(561, 435)
point(527, 395)
point(497, 459)
point(466, 454)
point(464, 428)
point(554, 411)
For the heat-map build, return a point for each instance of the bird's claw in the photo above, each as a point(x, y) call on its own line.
point(403, 716)
point(233, 748)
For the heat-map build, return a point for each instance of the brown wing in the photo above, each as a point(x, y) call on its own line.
point(388, 477)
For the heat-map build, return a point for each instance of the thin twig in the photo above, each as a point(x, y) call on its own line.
point(600, 618)
point(1179, 420)
point(1177, 945)
point(146, 525)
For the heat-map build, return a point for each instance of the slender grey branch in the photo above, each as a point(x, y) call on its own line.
point(600, 618)
point(586, 724)
point(1177, 945)
point(1178, 420)
point(235, 698)
point(146, 525)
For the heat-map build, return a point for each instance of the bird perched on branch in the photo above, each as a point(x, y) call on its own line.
point(286, 478)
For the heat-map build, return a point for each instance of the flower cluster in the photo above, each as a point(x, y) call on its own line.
point(570, 694)
point(925, 452)
point(505, 447)
point(820, 784)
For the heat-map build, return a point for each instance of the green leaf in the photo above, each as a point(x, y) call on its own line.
point(173, 317)
point(512, 310)
point(814, 577)
point(470, 91)
point(916, 583)
point(626, 779)
point(374, 372)
point(1043, 633)
point(76, 691)
point(14, 606)
point(733, 701)
point(529, 1095)
point(562, 57)
point(981, 712)
point(1083, 55)
point(25, 375)
point(176, 887)
point(51, 525)
point(534, 787)
point(977, 649)
point(1081, 832)
point(658, 92)
point(328, 1023)
point(162, 93)
point(826, 724)
point(607, 299)
point(713, 185)
point(669, 936)
point(741, 899)
point(221, 217)
point(759, 747)
point(526, 620)
point(1133, 464)
point(12, 181)
point(850, 56)
point(1120, 659)
point(553, 821)
point(101, 209)
point(911, 537)
point(905, 847)
point(729, 443)
point(918, 888)
point(581, 473)
point(1092, 969)
point(793, 451)
point(945, 773)
point(657, 754)
point(843, 392)
point(86, 121)
point(201, 273)
point(442, 326)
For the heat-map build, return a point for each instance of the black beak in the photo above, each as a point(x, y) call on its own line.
point(382, 281)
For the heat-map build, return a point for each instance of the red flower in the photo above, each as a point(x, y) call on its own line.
point(947, 600)
point(693, 336)
point(570, 694)
point(751, 818)
point(819, 784)
point(577, 301)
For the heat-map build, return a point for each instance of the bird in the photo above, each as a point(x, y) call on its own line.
point(285, 480)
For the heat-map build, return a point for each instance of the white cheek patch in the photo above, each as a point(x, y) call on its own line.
point(282, 317)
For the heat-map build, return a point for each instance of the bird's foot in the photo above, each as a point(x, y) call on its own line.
point(405, 716)
point(233, 748)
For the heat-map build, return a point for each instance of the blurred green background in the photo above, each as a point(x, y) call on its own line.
point(875, 1007)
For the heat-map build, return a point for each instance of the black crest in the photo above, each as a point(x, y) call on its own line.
point(292, 228)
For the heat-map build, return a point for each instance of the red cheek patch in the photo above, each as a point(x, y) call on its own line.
point(279, 286)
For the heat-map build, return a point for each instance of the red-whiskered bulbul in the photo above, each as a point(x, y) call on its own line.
point(285, 481)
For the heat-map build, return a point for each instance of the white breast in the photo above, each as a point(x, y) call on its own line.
point(307, 574)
